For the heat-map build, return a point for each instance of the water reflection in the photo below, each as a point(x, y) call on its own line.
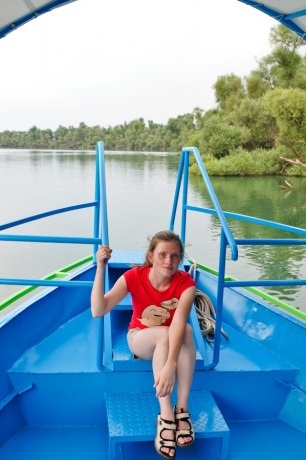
point(263, 198)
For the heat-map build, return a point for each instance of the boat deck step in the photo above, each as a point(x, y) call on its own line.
point(122, 358)
point(132, 418)
point(73, 348)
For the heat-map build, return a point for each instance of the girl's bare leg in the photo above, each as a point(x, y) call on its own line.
point(184, 375)
point(153, 343)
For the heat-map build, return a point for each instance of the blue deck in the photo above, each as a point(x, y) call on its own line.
point(67, 406)
point(264, 440)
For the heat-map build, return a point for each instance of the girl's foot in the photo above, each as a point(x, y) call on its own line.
point(184, 429)
point(165, 438)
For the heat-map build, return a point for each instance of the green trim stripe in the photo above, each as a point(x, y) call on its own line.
point(269, 298)
point(62, 273)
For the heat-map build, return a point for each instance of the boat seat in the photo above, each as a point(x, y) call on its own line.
point(118, 356)
point(132, 419)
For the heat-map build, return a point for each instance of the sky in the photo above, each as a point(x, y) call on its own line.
point(106, 62)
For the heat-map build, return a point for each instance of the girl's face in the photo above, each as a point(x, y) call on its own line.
point(166, 257)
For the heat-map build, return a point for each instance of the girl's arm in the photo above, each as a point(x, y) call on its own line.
point(102, 303)
point(177, 327)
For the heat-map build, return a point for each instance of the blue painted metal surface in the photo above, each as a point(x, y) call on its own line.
point(67, 398)
point(207, 420)
point(68, 390)
point(59, 398)
point(226, 239)
point(100, 226)
point(57, 402)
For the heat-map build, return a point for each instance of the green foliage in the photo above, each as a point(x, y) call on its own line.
point(257, 83)
point(133, 136)
point(295, 171)
point(219, 138)
point(284, 67)
point(229, 90)
point(288, 106)
point(253, 115)
point(284, 37)
point(244, 163)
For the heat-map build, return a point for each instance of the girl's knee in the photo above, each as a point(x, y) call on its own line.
point(188, 333)
point(163, 334)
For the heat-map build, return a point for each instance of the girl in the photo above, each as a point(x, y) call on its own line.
point(162, 296)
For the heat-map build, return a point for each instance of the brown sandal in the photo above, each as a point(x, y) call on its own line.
point(186, 433)
point(160, 442)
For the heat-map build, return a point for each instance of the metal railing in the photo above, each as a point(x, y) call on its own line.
point(227, 239)
point(100, 236)
point(100, 230)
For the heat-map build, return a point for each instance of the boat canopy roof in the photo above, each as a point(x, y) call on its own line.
point(291, 13)
point(15, 13)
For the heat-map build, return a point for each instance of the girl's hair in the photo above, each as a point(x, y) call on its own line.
point(166, 236)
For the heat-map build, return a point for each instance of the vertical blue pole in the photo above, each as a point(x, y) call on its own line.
point(97, 206)
point(101, 223)
point(103, 204)
point(177, 192)
point(220, 295)
point(185, 195)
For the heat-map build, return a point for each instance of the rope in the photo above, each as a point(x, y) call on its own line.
point(205, 310)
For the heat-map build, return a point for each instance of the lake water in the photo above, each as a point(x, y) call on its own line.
point(140, 194)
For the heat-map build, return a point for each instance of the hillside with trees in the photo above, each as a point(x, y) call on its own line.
point(257, 127)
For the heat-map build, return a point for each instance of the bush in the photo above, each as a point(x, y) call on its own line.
point(244, 163)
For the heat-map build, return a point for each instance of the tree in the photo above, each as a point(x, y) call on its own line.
point(285, 38)
point(229, 90)
point(262, 129)
point(258, 83)
point(284, 67)
point(218, 137)
point(288, 106)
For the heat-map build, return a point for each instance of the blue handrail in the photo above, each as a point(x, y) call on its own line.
point(226, 239)
point(100, 236)
point(184, 168)
point(100, 228)
point(101, 225)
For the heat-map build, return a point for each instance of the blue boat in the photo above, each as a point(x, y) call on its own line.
point(69, 383)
